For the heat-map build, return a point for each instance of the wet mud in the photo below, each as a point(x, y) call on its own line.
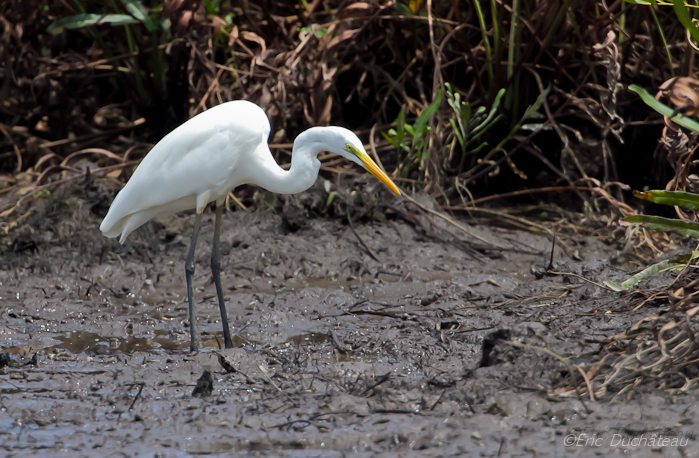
point(342, 350)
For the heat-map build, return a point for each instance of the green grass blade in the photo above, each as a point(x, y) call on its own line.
point(403, 9)
point(512, 101)
point(140, 87)
point(427, 113)
point(486, 42)
point(331, 196)
point(664, 109)
point(686, 200)
point(612, 285)
point(390, 140)
point(83, 20)
point(685, 19)
point(534, 108)
point(479, 148)
point(494, 108)
point(152, 24)
point(400, 125)
point(495, 24)
point(465, 115)
point(658, 223)
point(679, 261)
point(553, 28)
point(662, 37)
point(478, 116)
point(514, 39)
point(457, 132)
point(135, 8)
point(485, 129)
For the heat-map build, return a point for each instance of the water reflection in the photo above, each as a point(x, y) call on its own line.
point(92, 343)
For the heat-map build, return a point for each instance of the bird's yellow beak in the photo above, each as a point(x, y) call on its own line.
point(371, 166)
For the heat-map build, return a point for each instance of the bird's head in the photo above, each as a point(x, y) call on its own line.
point(345, 143)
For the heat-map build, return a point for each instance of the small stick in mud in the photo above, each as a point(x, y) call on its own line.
point(226, 364)
point(378, 382)
point(337, 343)
point(33, 362)
point(553, 246)
point(265, 372)
point(439, 399)
point(138, 395)
point(369, 251)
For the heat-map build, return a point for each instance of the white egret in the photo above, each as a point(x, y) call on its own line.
point(206, 158)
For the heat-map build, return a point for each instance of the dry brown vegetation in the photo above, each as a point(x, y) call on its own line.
point(359, 64)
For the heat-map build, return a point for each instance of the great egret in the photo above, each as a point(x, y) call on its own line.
point(206, 158)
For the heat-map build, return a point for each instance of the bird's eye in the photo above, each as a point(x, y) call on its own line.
point(349, 148)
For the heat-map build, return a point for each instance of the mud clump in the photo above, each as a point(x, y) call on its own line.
point(205, 386)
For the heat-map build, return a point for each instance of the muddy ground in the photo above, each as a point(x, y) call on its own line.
point(337, 354)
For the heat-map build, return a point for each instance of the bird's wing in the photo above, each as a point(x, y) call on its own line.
point(201, 155)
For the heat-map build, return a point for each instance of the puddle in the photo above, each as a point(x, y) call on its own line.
point(84, 342)
point(92, 343)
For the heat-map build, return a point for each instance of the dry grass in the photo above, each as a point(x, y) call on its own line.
point(658, 352)
point(326, 62)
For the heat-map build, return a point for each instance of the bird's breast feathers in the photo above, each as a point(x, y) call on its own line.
point(210, 153)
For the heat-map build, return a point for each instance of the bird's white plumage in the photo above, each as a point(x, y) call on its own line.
point(199, 162)
point(208, 156)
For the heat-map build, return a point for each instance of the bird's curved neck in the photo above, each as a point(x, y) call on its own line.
point(303, 172)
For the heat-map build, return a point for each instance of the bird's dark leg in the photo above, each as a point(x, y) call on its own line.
point(189, 272)
point(216, 272)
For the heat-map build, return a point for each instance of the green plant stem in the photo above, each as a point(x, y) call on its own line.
point(662, 37)
point(512, 100)
point(159, 64)
point(79, 6)
point(622, 22)
point(514, 39)
point(562, 12)
point(486, 43)
point(497, 45)
point(133, 48)
point(584, 49)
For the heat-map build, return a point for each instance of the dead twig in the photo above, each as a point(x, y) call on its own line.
point(368, 250)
